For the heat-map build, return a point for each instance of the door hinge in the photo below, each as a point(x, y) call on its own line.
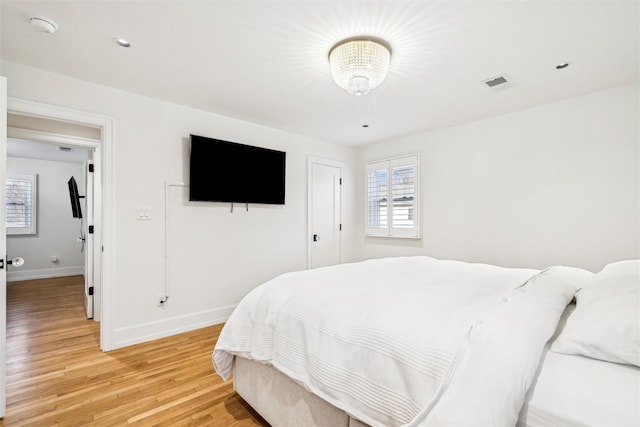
point(90, 290)
point(340, 227)
point(91, 167)
point(91, 229)
point(340, 181)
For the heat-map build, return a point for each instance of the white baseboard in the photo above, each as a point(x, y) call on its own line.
point(45, 273)
point(130, 335)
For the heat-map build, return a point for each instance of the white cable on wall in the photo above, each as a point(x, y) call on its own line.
point(167, 245)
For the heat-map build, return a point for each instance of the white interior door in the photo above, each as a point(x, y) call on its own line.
point(3, 248)
point(89, 241)
point(325, 222)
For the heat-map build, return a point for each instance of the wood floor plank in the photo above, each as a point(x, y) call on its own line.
point(57, 375)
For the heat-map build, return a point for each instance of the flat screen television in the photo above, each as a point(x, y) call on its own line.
point(223, 171)
point(76, 210)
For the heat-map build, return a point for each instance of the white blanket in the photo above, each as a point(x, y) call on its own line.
point(405, 341)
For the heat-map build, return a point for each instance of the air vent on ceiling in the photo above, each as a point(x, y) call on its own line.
point(498, 83)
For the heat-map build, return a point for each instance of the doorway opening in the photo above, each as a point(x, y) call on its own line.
point(57, 242)
point(39, 122)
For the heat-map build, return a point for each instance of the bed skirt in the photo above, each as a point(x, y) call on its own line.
point(283, 402)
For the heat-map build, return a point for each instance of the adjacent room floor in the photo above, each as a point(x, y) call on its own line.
point(57, 375)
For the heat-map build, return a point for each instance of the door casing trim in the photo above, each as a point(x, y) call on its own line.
point(104, 193)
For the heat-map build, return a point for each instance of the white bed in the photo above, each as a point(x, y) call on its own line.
point(344, 345)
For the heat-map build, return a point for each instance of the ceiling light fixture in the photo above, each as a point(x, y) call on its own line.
point(43, 24)
point(359, 64)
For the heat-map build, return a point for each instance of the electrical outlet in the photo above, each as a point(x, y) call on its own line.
point(162, 300)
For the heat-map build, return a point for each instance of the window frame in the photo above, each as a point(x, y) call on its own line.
point(32, 179)
point(389, 165)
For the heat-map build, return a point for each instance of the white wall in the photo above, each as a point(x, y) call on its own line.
point(555, 184)
point(57, 230)
point(217, 256)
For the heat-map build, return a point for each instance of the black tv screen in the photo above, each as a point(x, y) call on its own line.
point(223, 171)
point(76, 210)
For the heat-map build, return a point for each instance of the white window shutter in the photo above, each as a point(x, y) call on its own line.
point(377, 219)
point(20, 206)
point(392, 198)
point(404, 190)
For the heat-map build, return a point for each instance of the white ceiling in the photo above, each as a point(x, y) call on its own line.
point(46, 151)
point(266, 61)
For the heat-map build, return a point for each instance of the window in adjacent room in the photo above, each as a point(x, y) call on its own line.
point(392, 198)
point(21, 204)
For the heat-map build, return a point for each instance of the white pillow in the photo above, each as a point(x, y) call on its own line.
point(606, 322)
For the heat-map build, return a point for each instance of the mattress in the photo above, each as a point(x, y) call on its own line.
point(574, 390)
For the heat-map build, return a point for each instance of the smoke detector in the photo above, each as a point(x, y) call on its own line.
point(497, 83)
point(44, 24)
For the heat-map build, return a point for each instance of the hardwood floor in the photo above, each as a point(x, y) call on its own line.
point(57, 375)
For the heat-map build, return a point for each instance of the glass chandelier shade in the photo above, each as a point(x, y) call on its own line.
point(360, 64)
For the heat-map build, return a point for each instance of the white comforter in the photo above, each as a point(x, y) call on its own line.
point(405, 341)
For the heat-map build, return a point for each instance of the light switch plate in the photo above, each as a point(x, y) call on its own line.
point(143, 214)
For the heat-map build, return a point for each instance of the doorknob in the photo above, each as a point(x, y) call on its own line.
point(316, 237)
point(15, 261)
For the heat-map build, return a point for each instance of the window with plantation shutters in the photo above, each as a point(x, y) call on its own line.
point(377, 196)
point(20, 204)
point(392, 198)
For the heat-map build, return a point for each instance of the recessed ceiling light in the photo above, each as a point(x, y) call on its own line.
point(561, 66)
point(44, 24)
point(122, 42)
